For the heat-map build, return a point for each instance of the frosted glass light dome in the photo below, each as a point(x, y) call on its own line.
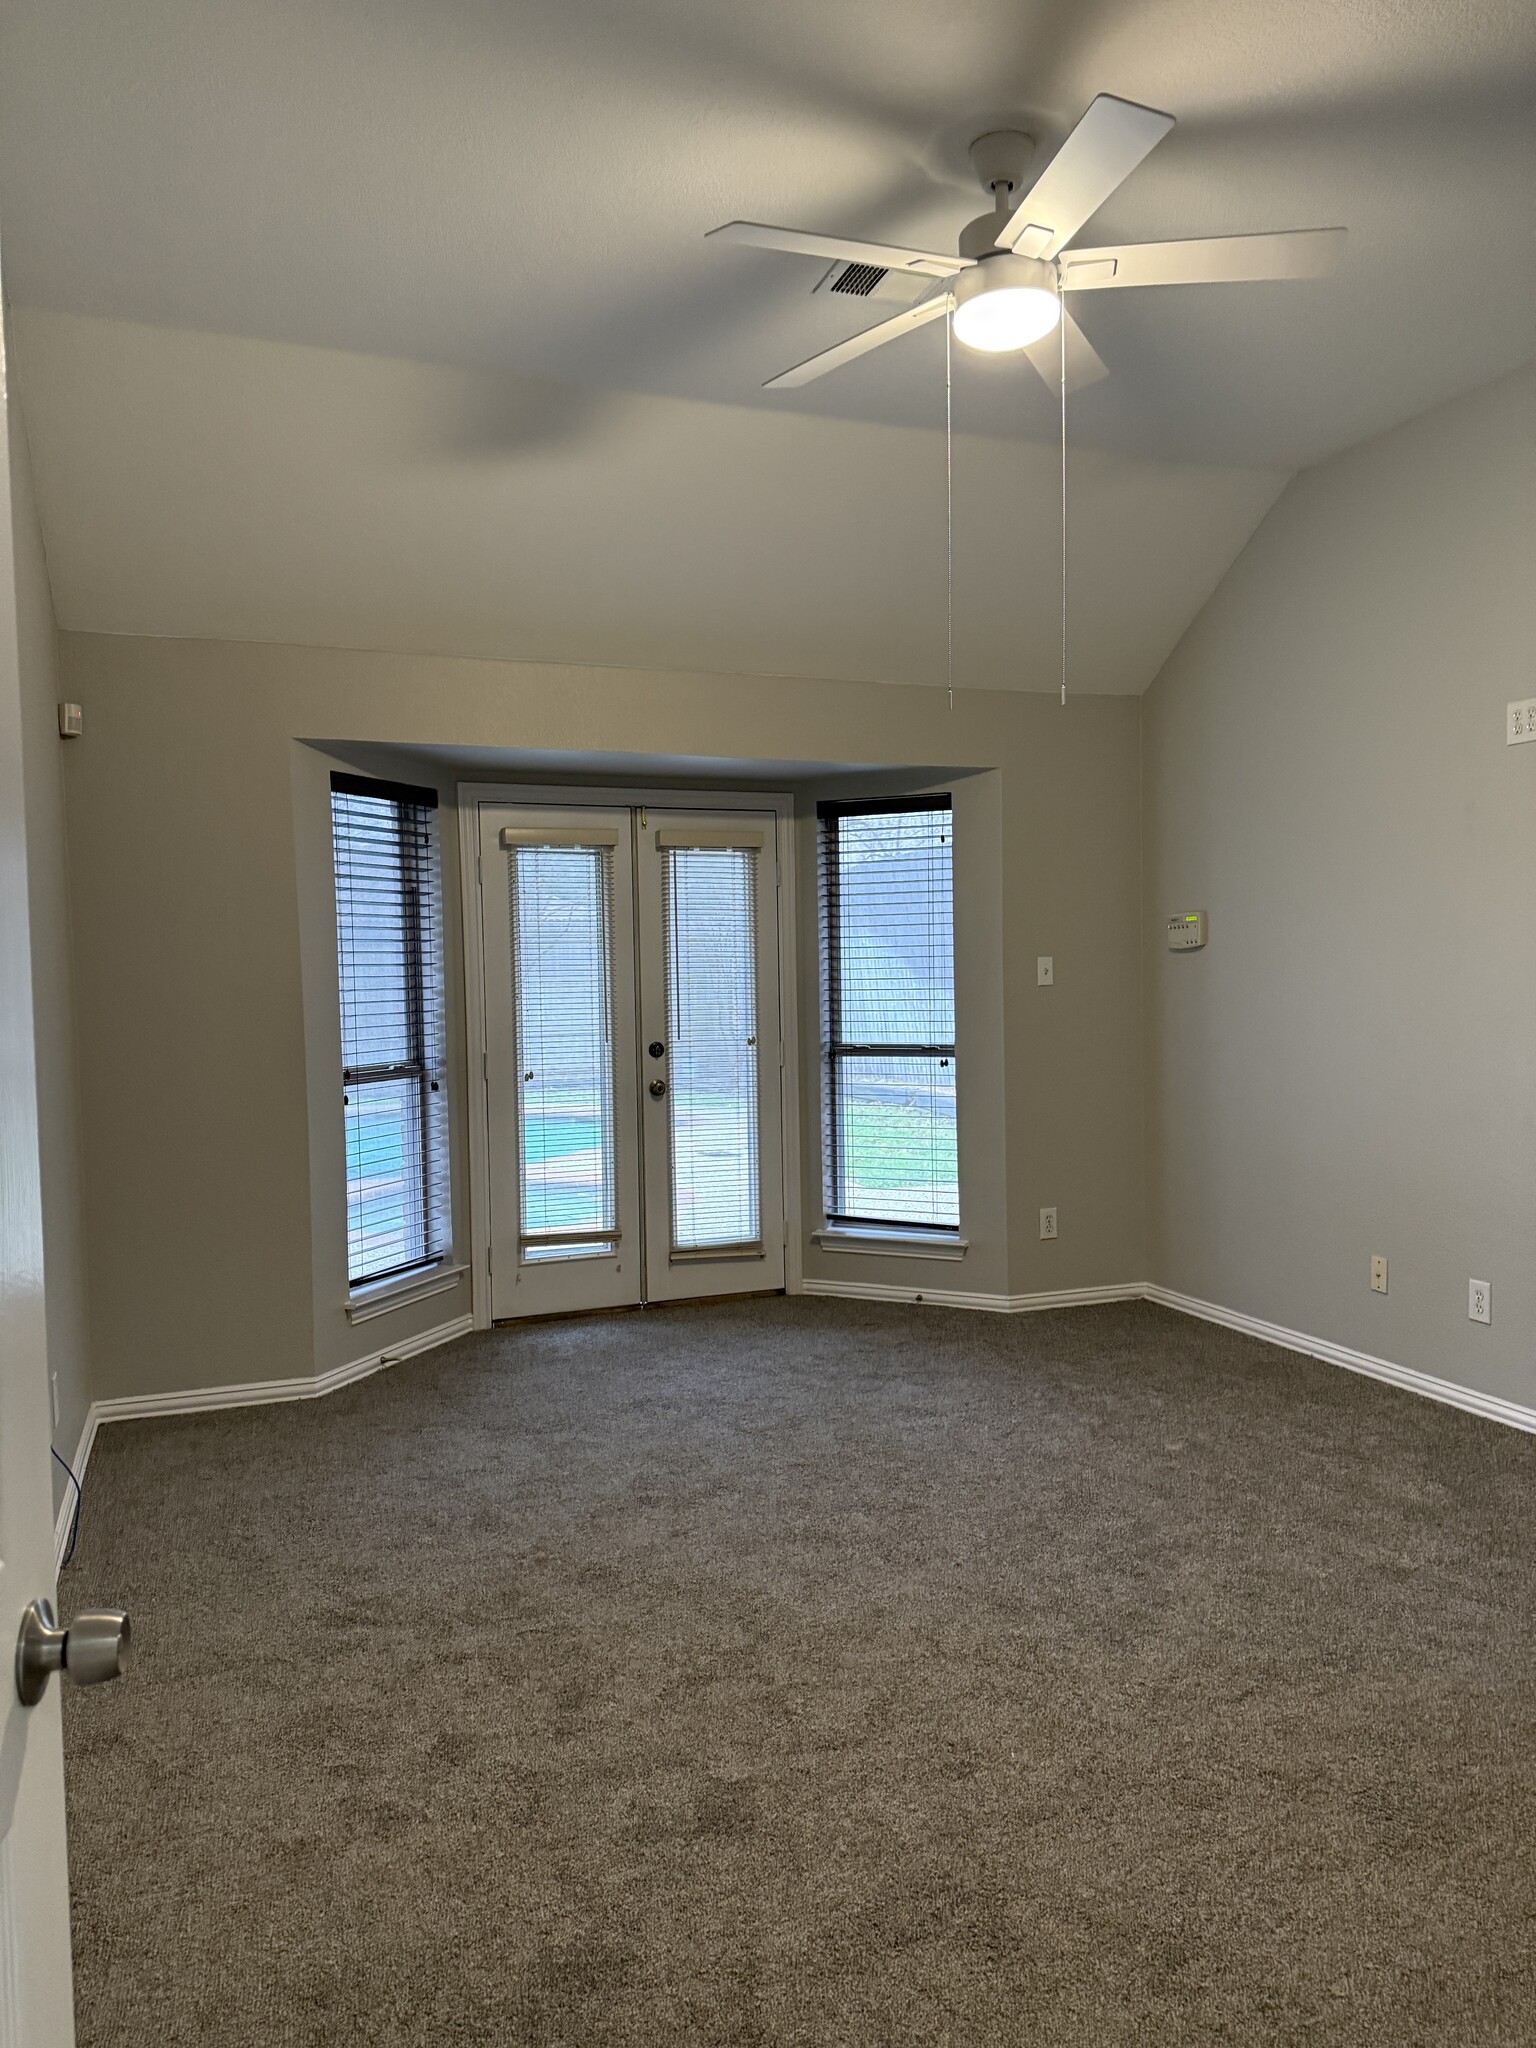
point(1004, 303)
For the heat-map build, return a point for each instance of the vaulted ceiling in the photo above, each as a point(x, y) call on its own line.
point(518, 190)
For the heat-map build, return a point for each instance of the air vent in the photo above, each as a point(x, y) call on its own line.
point(859, 280)
point(872, 281)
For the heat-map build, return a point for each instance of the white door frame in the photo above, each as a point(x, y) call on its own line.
point(470, 796)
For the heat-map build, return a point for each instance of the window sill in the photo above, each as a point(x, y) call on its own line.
point(891, 1244)
point(366, 1302)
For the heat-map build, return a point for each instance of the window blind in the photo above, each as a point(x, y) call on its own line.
point(389, 944)
point(710, 934)
point(886, 876)
point(561, 901)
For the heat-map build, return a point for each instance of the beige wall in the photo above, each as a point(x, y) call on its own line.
point(194, 814)
point(1347, 1068)
point(48, 896)
point(1072, 872)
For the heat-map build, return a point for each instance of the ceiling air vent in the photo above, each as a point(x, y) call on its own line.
point(872, 281)
point(858, 279)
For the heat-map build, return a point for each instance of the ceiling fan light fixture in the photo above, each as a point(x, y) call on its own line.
point(1004, 303)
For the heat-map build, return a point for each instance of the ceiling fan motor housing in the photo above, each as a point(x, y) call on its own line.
point(978, 238)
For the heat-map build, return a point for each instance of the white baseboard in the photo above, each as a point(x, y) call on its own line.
point(256, 1393)
point(243, 1394)
point(954, 1297)
point(1490, 1406)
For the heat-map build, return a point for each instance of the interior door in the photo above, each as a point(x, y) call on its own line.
point(557, 909)
point(36, 1998)
point(709, 1003)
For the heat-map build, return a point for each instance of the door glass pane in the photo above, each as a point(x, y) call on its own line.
point(562, 973)
point(895, 1138)
point(710, 899)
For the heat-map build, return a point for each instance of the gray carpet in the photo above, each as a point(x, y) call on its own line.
point(807, 1672)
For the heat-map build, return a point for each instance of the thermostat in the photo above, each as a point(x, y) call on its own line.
point(1186, 931)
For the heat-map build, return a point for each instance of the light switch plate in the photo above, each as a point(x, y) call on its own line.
point(1045, 971)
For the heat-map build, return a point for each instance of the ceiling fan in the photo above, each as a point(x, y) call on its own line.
point(1003, 290)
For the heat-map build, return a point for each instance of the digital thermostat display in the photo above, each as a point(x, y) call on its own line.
point(1186, 931)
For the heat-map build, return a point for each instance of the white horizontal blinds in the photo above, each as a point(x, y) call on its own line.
point(888, 987)
point(561, 902)
point(710, 918)
point(389, 944)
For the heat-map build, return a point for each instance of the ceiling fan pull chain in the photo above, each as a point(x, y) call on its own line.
point(1061, 328)
point(949, 506)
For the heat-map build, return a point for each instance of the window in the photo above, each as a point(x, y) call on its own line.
point(389, 943)
point(888, 992)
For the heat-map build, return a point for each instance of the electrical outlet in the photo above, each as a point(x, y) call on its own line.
point(1378, 1274)
point(1045, 971)
point(1479, 1301)
point(1047, 1223)
point(1520, 722)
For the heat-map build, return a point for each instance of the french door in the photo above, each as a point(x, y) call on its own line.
point(632, 1074)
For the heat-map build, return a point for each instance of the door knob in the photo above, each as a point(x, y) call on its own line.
point(92, 1649)
point(658, 1087)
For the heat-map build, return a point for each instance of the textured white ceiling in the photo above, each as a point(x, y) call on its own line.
point(208, 486)
point(525, 184)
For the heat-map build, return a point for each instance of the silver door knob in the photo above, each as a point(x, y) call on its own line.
point(92, 1649)
point(658, 1087)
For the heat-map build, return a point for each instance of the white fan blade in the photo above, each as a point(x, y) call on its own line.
point(1101, 152)
point(753, 235)
point(872, 337)
point(1084, 364)
point(1223, 259)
